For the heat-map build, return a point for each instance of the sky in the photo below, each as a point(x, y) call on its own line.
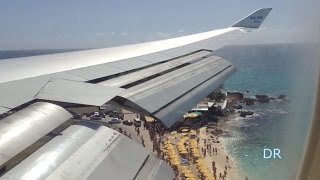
point(44, 24)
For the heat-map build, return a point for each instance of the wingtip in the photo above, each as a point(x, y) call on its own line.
point(253, 20)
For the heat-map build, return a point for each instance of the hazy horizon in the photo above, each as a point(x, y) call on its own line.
point(96, 24)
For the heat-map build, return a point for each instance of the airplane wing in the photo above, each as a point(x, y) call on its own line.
point(162, 79)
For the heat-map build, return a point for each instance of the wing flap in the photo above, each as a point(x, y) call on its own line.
point(21, 129)
point(77, 92)
point(155, 95)
point(89, 151)
point(146, 73)
point(176, 109)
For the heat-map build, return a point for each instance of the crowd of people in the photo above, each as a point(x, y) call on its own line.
point(208, 148)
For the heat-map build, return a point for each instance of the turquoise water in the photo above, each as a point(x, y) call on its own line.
point(271, 70)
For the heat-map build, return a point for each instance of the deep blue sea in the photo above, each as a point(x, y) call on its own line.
point(288, 69)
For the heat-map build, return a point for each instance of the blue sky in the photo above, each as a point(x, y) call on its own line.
point(40, 24)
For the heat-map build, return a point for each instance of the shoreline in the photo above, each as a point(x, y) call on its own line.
point(233, 171)
point(238, 173)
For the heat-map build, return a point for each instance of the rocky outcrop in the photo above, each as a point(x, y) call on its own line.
point(262, 98)
point(235, 95)
point(283, 98)
point(234, 98)
point(246, 113)
point(249, 101)
point(238, 106)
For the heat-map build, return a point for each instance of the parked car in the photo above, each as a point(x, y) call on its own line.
point(137, 122)
point(95, 117)
point(127, 122)
point(115, 121)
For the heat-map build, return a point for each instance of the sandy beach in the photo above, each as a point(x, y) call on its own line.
point(206, 137)
point(221, 162)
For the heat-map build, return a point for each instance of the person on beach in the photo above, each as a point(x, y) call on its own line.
point(227, 158)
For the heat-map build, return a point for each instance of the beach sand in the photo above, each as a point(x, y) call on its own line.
point(233, 172)
point(219, 159)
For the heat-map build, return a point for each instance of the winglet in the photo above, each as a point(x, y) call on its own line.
point(254, 20)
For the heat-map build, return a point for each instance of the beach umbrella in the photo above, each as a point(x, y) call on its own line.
point(170, 138)
point(198, 113)
point(174, 157)
point(191, 115)
point(193, 131)
point(210, 178)
point(196, 155)
point(183, 168)
point(207, 174)
point(180, 145)
point(202, 168)
point(189, 175)
point(186, 171)
point(195, 146)
point(171, 154)
point(194, 150)
point(173, 132)
point(175, 163)
point(169, 147)
point(191, 178)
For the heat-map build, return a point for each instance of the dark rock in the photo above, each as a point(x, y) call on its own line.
point(235, 95)
point(249, 101)
point(246, 113)
point(263, 98)
point(282, 97)
point(237, 106)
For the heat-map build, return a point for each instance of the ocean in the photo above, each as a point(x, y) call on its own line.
point(288, 69)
